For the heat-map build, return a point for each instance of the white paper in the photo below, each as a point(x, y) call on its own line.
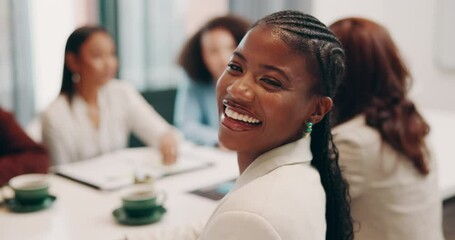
point(119, 169)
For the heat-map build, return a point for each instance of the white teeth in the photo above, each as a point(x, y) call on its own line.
point(238, 116)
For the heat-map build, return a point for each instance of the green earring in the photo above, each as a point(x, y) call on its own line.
point(309, 129)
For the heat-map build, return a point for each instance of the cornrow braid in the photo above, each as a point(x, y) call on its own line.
point(307, 34)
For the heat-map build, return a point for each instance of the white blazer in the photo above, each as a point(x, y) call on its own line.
point(279, 196)
point(391, 200)
point(70, 135)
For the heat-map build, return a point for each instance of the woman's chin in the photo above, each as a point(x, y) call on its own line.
point(235, 144)
point(228, 145)
point(230, 142)
point(104, 81)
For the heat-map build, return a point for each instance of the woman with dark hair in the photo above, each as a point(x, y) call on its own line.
point(380, 136)
point(94, 113)
point(274, 100)
point(277, 91)
point(204, 58)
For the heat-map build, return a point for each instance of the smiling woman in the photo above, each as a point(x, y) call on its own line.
point(273, 88)
point(280, 82)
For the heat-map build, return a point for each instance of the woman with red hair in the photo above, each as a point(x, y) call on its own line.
point(380, 136)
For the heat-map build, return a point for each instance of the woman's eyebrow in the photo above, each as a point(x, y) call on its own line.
point(276, 69)
point(268, 67)
point(238, 54)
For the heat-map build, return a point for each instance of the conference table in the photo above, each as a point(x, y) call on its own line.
point(83, 212)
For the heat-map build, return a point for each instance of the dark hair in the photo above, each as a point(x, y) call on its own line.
point(376, 84)
point(73, 45)
point(190, 57)
point(309, 36)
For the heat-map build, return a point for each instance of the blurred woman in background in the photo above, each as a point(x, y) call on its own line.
point(94, 113)
point(380, 136)
point(204, 58)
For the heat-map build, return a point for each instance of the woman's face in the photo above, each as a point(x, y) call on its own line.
point(217, 46)
point(97, 60)
point(264, 95)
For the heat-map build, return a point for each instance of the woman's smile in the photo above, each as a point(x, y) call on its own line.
point(237, 118)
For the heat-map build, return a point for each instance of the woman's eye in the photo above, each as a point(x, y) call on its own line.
point(271, 82)
point(233, 67)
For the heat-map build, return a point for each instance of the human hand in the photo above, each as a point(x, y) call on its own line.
point(168, 148)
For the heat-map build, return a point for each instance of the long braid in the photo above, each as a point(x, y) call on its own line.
point(307, 34)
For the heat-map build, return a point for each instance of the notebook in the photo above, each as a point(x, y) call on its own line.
point(121, 168)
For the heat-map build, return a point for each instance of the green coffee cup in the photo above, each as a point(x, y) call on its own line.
point(30, 188)
point(141, 201)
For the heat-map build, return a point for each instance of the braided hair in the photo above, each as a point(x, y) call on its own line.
point(308, 35)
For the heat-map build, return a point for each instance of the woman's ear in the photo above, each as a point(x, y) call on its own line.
point(323, 106)
point(71, 62)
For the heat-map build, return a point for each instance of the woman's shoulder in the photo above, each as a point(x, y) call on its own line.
point(5, 115)
point(358, 121)
point(59, 106)
point(291, 193)
point(356, 130)
point(57, 114)
point(302, 182)
point(289, 185)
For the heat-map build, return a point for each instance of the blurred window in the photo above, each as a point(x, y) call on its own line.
point(16, 78)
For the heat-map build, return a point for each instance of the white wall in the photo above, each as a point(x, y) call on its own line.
point(51, 23)
point(198, 12)
point(412, 24)
point(6, 73)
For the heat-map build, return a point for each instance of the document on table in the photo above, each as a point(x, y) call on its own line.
point(119, 169)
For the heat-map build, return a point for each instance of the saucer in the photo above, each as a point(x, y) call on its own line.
point(14, 206)
point(121, 217)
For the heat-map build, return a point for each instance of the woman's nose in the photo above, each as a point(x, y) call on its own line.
point(241, 90)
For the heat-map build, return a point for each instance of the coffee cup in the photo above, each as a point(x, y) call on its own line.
point(30, 189)
point(141, 201)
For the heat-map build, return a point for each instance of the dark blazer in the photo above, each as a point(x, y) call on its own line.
point(19, 154)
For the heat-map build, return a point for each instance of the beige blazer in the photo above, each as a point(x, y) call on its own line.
point(279, 196)
point(391, 200)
